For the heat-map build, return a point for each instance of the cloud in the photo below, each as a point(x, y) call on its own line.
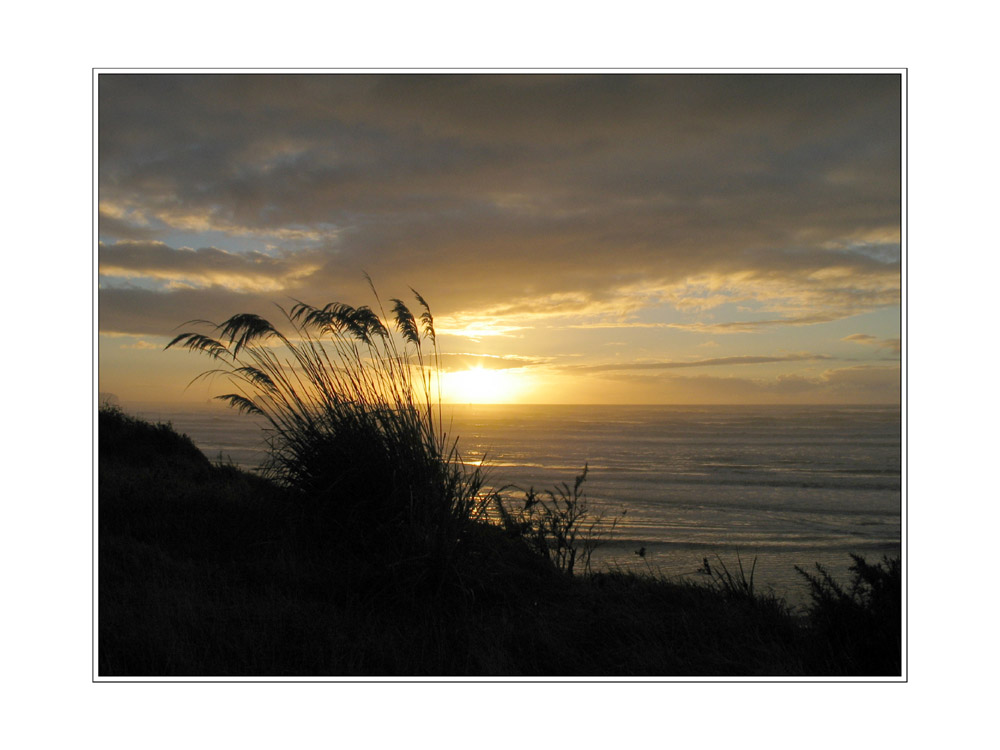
point(455, 362)
point(253, 271)
point(530, 196)
point(713, 362)
point(140, 344)
point(476, 330)
point(845, 385)
point(748, 326)
point(892, 345)
point(135, 311)
point(111, 221)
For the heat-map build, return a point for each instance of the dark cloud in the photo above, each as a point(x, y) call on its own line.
point(524, 196)
point(121, 227)
point(146, 312)
point(207, 265)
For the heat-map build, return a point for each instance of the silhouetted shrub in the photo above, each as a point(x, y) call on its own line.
point(859, 627)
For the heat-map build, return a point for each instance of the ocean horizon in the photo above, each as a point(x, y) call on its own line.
point(770, 486)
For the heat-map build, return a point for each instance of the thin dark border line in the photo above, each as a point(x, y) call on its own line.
point(540, 71)
point(93, 383)
point(95, 678)
point(637, 681)
point(906, 369)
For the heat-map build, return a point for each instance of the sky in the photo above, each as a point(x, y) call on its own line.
point(585, 238)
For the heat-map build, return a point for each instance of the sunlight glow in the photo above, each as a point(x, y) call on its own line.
point(477, 331)
point(483, 386)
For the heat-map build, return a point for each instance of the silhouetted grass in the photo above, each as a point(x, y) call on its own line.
point(355, 428)
point(557, 524)
point(206, 570)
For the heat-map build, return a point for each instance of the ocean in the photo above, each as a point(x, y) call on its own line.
point(770, 486)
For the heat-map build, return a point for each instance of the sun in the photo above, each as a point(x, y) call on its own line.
point(479, 385)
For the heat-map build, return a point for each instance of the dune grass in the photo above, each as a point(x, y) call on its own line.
point(355, 422)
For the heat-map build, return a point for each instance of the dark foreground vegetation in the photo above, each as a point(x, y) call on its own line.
point(367, 547)
point(205, 570)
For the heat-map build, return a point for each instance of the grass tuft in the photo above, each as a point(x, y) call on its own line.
point(556, 523)
point(354, 429)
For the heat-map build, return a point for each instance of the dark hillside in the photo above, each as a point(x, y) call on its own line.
point(206, 570)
